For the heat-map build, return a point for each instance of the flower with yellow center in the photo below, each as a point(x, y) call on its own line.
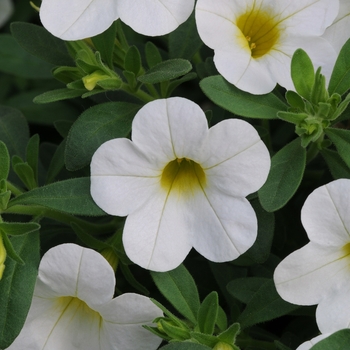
point(72, 307)
point(318, 273)
point(181, 184)
point(80, 19)
point(254, 40)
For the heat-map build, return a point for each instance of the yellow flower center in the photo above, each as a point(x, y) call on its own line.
point(183, 175)
point(260, 30)
point(346, 250)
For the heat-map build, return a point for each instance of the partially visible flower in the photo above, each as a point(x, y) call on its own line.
point(181, 184)
point(254, 40)
point(310, 343)
point(2, 257)
point(72, 307)
point(79, 19)
point(6, 10)
point(319, 272)
point(339, 32)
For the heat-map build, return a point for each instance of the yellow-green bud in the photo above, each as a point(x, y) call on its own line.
point(91, 80)
point(2, 257)
point(223, 346)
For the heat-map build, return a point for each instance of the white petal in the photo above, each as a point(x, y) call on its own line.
point(338, 33)
point(170, 128)
point(307, 275)
point(222, 227)
point(78, 19)
point(308, 344)
point(123, 320)
point(325, 214)
point(156, 236)
point(333, 312)
point(154, 17)
point(236, 161)
point(122, 177)
point(6, 10)
point(71, 270)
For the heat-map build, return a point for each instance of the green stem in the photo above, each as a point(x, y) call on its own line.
point(140, 94)
point(16, 191)
point(314, 149)
point(36, 210)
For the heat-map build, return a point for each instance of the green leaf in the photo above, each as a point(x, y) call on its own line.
point(181, 291)
point(104, 43)
point(153, 57)
point(341, 140)
point(303, 74)
point(165, 71)
point(10, 250)
point(208, 313)
point(18, 62)
point(295, 100)
point(340, 78)
point(14, 131)
point(18, 228)
point(32, 155)
point(205, 339)
point(132, 61)
point(184, 42)
point(265, 305)
point(57, 163)
point(337, 341)
point(240, 102)
point(88, 132)
point(185, 346)
point(40, 43)
point(58, 95)
point(4, 161)
point(286, 173)
point(25, 173)
point(336, 165)
point(174, 332)
point(70, 196)
point(17, 286)
point(230, 334)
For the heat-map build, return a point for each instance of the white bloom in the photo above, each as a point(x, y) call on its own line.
point(254, 40)
point(79, 19)
point(6, 10)
point(72, 307)
point(182, 184)
point(318, 273)
point(339, 32)
point(310, 343)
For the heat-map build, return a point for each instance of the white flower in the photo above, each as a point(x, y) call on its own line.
point(79, 19)
point(254, 40)
point(6, 10)
point(72, 307)
point(339, 32)
point(182, 184)
point(310, 343)
point(319, 272)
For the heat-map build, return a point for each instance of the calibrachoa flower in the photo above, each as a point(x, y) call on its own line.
point(318, 273)
point(6, 10)
point(79, 19)
point(339, 32)
point(181, 184)
point(72, 307)
point(254, 40)
point(310, 343)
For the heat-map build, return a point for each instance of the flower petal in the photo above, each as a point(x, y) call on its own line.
point(71, 270)
point(6, 10)
point(122, 177)
point(123, 320)
point(170, 128)
point(222, 227)
point(156, 236)
point(235, 155)
point(308, 344)
point(325, 214)
point(333, 312)
point(154, 17)
point(308, 274)
point(337, 33)
point(78, 19)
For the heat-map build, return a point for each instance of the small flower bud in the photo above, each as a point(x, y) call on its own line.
point(2, 257)
point(223, 346)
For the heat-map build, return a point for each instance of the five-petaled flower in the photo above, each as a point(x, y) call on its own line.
point(79, 19)
point(72, 307)
point(254, 40)
point(181, 184)
point(318, 273)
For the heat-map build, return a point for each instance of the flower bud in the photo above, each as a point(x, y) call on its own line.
point(2, 257)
